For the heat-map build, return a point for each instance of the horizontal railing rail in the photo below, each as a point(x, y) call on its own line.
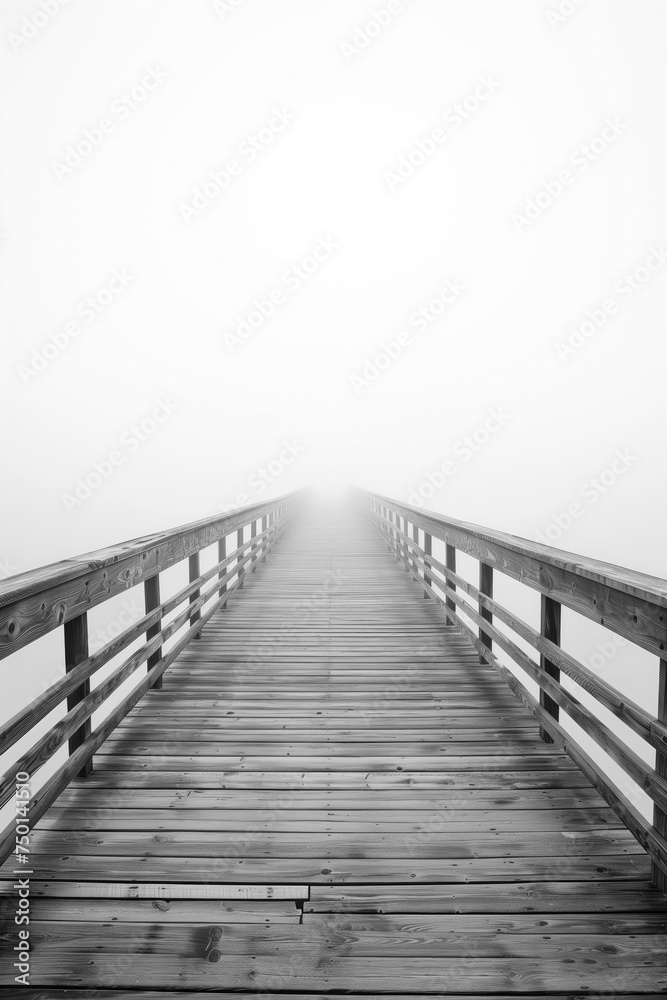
point(61, 595)
point(632, 605)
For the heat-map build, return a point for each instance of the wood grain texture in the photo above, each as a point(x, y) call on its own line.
point(330, 793)
point(34, 603)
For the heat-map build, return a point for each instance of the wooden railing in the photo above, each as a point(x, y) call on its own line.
point(61, 595)
point(632, 605)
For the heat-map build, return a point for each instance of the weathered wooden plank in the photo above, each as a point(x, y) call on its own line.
point(336, 871)
point(439, 844)
point(328, 820)
point(164, 911)
point(548, 896)
point(530, 747)
point(332, 938)
point(366, 762)
point(55, 993)
point(585, 971)
point(197, 779)
point(153, 890)
point(443, 800)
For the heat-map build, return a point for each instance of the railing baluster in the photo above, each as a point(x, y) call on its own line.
point(239, 542)
point(486, 588)
point(194, 573)
point(428, 550)
point(265, 542)
point(222, 554)
point(415, 538)
point(76, 650)
point(253, 550)
point(659, 817)
point(450, 563)
point(550, 616)
point(404, 543)
point(152, 601)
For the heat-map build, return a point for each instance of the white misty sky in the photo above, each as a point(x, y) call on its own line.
point(341, 109)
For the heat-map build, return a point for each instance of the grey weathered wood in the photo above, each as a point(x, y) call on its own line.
point(658, 873)
point(76, 651)
point(631, 604)
point(253, 536)
point(428, 548)
point(222, 555)
point(415, 539)
point(194, 572)
point(486, 588)
point(265, 522)
point(151, 602)
point(239, 544)
point(450, 562)
point(34, 603)
point(550, 624)
point(335, 732)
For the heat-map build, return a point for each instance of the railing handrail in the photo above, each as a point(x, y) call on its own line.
point(649, 592)
point(49, 587)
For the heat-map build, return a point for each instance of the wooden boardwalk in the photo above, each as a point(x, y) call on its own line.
point(331, 793)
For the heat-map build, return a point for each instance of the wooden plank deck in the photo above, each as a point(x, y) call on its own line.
point(330, 793)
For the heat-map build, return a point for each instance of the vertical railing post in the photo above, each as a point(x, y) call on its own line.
point(404, 543)
point(265, 540)
point(387, 529)
point(486, 588)
point(222, 554)
point(239, 542)
point(659, 817)
point(76, 651)
point(253, 548)
point(193, 562)
point(428, 550)
point(415, 559)
point(450, 563)
point(550, 615)
point(151, 602)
